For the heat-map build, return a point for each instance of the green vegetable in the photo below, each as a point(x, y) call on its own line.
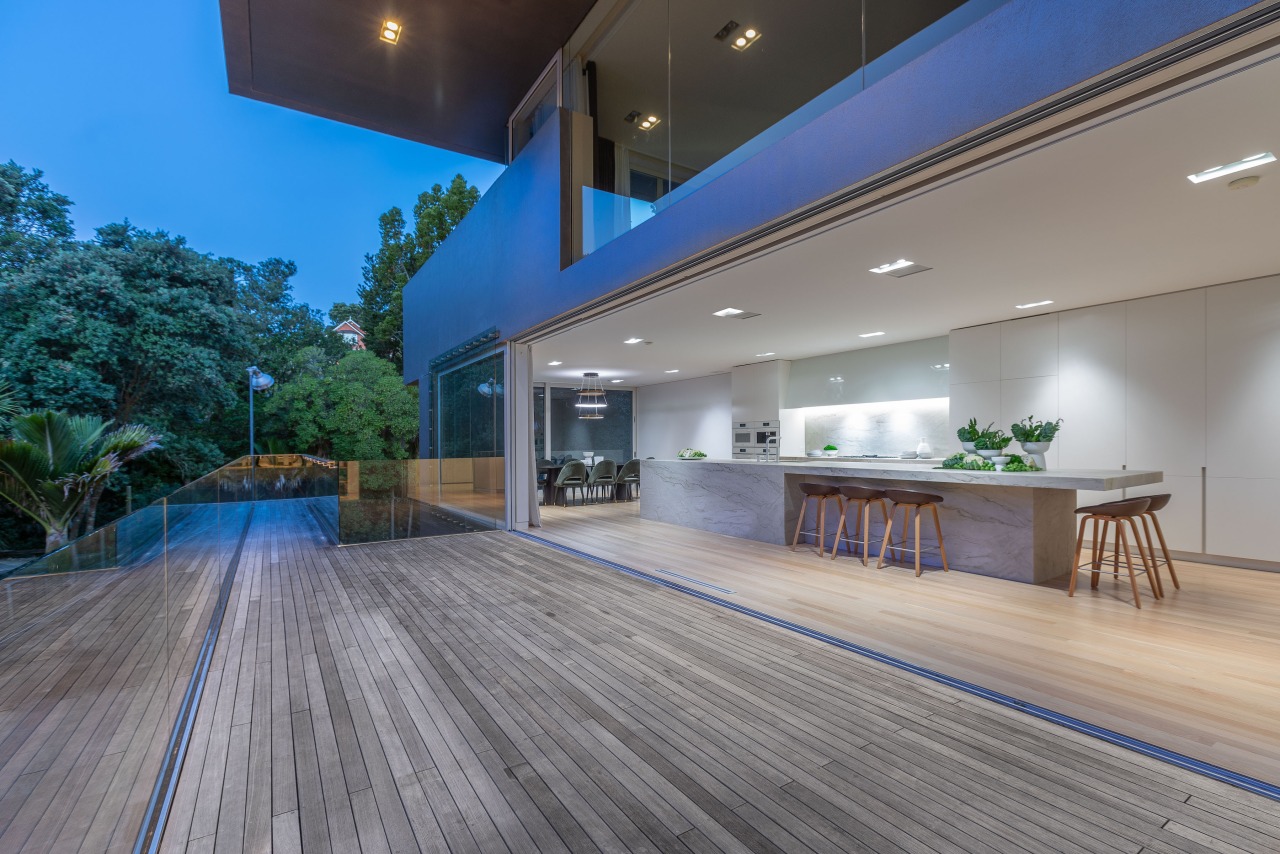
point(830, 448)
point(1030, 430)
point(992, 440)
point(954, 461)
point(970, 432)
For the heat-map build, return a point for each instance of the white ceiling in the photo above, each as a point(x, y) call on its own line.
point(1105, 215)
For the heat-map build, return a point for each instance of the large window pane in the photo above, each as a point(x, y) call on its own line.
point(472, 447)
point(609, 437)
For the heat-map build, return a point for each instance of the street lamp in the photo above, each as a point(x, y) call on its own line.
point(258, 381)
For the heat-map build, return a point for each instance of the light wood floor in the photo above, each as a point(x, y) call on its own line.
point(1198, 673)
point(483, 693)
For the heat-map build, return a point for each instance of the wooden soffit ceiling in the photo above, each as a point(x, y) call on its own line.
point(456, 75)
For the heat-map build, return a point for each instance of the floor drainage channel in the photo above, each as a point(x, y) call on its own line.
point(1259, 787)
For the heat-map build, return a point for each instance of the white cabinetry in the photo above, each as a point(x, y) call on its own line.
point(1244, 419)
point(1166, 383)
point(975, 354)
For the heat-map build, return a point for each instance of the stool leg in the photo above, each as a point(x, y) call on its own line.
point(859, 528)
point(1153, 577)
point(1128, 559)
point(1099, 546)
point(884, 544)
point(917, 541)
point(942, 547)
point(822, 526)
point(864, 519)
point(1075, 565)
point(1153, 566)
point(1168, 561)
point(1115, 567)
point(841, 528)
point(804, 506)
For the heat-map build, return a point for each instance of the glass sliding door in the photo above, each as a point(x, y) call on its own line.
point(470, 474)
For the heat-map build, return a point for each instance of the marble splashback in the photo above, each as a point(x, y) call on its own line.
point(886, 429)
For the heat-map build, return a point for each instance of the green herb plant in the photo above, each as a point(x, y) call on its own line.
point(1030, 430)
point(970, 432)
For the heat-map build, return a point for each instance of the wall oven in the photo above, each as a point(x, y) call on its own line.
point(752, 438)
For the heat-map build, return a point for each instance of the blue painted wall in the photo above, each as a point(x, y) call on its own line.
point(502, 266)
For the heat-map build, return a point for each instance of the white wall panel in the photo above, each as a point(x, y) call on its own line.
point(1165, 386)
point(1244, 379)
point(975, 354)
point(1182, 520)
point(694, 413)
point(972, 400)
point(1029, 347)
point(1241, 517)
point(1034, 396)
point(1091, 387)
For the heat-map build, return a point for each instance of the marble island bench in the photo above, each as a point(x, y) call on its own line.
point(1015, 525)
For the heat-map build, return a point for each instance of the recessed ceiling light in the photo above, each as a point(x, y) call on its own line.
point(676, 371)
point(870, 334)
point(728, 312)
point(555, 363)
point(892, 265)
point(647, 121)
point(634, 341)
point(1238, 166)
point(391, 31)
point(615, 381)
point(762, 355)
point(746, 40)
point(945, 366)
point(1035, 304)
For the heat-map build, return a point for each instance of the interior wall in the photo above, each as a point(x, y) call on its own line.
point(695, 413)
point(872, 375)
point(1185, 383)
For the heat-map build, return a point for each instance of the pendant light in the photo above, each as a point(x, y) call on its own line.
point(590, 400)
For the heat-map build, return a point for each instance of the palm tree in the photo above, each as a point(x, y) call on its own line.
point(56, 466)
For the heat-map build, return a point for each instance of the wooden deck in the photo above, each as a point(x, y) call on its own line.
point(92, 667)
point(482, 693)
point(1198, 673)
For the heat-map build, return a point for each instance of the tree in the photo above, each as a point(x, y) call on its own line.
point(358, 409)
point(33, 220)
point(401, 253)
point(55, 467)
point(272, 326)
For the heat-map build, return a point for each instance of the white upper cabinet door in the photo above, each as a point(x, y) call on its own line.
point(975, 354)
point(1165, 388)
point(972, 400)
point(1029, 347)
point(1091, 387)
point(1241, 517)
point(1035, 397)
point(1244, 379)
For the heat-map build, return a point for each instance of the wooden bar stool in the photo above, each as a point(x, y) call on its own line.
point(911, 503)
point(1119, 513)
point(820, 493)
point(1159, 502)
point(864, 497)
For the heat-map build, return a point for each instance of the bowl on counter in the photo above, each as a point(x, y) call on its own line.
point(908, 455)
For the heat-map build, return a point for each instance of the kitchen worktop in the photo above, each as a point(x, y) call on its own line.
point(1016, 525)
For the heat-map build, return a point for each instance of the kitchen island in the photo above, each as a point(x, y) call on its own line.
point(1015, 525)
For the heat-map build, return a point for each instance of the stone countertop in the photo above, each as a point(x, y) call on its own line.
point(1099, 480)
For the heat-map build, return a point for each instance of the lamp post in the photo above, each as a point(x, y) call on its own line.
point(257, 382)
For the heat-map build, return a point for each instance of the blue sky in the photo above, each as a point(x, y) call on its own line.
point(125, 107)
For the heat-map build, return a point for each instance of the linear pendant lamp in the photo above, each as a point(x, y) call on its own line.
point(590, 398)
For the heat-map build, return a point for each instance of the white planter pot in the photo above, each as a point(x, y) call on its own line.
point(1000, 462)
point(831, 453)
point(1036, 451)
point(968, 447)
point(988, 454)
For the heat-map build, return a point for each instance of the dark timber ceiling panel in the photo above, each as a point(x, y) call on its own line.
point(457, 74)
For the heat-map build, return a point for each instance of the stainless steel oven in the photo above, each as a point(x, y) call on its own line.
point(752, 438)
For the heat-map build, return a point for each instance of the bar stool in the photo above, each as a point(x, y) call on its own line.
point(912, 502)
point(864, 497)
point(1118, 513)
point(820, 493)
point(1159, 502)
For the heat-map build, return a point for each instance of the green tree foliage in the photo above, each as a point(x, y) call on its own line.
point(33, 220)
point(357, 409)
point(273, 327)
point(56, 466)
point(401, 253)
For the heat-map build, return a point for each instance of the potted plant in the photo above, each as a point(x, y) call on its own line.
point(969, 434)
point(830, 450)
point(690, 454)
point(1035, 437)
point(991, 443)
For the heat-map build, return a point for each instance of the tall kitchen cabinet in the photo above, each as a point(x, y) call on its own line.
point(1164, 419)
point(1243, 482)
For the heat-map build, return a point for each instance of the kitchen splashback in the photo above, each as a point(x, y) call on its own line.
point(886, 429)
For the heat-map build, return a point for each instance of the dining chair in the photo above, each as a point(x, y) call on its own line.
point(603, 474)
point(572, 476)
point(629, 476)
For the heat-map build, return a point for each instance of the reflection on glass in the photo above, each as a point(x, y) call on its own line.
point(470, 475)
point(608, 438)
